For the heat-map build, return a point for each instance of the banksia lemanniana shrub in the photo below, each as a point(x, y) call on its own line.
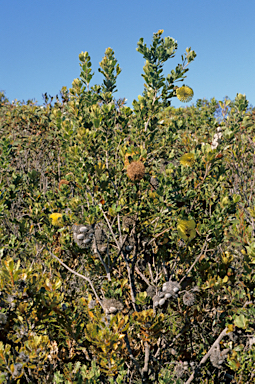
point(136, 171)
point(184, 93)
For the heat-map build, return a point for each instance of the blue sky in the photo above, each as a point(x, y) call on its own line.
point(41, 41)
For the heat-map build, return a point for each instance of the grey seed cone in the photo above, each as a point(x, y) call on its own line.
point(112, 305)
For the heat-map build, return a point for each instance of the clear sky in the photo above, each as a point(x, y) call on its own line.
point(41, 40)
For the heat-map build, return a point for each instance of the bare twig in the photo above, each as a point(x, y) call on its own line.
point(198, 257)
point(131, 354)
point(130, 277)
point(215, 344)
point(110, 227)
point(204, 359)
point(146, 358)
point(108, 274)
point(119, 228)
point(153, 101)
point(142, 276)
point(77, 274)
point(159, 234)
point(151, 274)
point(37, 254)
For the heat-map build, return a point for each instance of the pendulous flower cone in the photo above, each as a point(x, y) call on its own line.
point(136, 171)
point(184, 93)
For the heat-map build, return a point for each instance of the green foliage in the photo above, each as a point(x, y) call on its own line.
point(78, 374)
point(172, 254)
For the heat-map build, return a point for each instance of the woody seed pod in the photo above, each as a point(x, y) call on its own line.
point(83, 229)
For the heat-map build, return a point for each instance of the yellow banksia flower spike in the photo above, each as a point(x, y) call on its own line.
point(56, 219)
point(184, 93)
point(186, 229)
point(187, 159)
point(227, 257)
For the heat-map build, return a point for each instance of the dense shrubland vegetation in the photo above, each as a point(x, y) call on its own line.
point(127, 242)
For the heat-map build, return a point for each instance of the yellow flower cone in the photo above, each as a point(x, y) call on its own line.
point(184, 93)
point(227, 257)
point(186, 229)
point(56, 219)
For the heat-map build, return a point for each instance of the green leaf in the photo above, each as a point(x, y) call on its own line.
point(241, 321)
point(141, 298)
point(96, 123)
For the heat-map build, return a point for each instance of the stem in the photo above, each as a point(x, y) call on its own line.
point(201, 182)
point(79, 275)
point(198, 257)
point(146, 358)
point(215, 344)
point(102, 261)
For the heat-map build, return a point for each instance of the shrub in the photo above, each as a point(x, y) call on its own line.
point(127, 250)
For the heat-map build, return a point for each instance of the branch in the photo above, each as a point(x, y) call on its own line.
point(146, 358)
point(215, 344)
point(131, 354)
point(110, 227)
point(198, 257)
point(130, 278)
point(119, 228)
point(79, 275)
point(108, 274)
point(159, 234)
point(153, 101)
point(124, 256)
point(142, 276)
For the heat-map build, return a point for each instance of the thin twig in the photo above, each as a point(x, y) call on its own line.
point(146, 358)
point(142, 276)
point(77, 274)
point(110, 227)
point(130, 352)
point(204, 359)
point(108, 274)
point(215, 344)
point(119, 228)
point(201, 182)
point(198, 257)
